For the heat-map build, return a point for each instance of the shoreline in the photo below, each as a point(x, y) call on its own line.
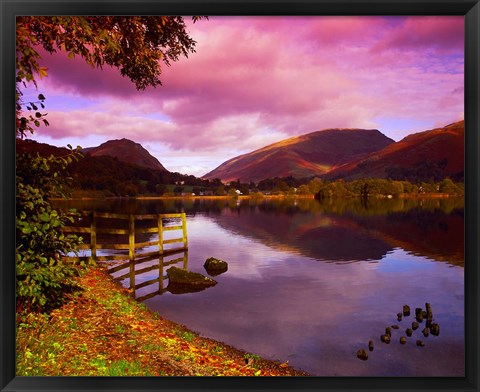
point(248, 197)
point(103, 331)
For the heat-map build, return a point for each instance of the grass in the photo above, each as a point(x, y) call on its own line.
point(103, 331)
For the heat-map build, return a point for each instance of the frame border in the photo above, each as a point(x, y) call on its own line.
point(10, 8)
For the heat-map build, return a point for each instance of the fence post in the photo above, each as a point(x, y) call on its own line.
point(185, 260)
point(93, 236)
point(184, 228)
point(131, 248)
point(160, 275)
point(160, 234)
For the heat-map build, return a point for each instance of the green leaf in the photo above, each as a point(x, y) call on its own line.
point(26, 230)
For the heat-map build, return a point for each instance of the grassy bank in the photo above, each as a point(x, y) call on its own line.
point(102, 331)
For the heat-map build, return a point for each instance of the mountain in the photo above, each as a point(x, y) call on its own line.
point(436, 153)
point(134, 173)
point(308, 155)
point(126, 151)
point(24, 146)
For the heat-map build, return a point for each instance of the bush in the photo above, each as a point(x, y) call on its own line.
point(42, 274)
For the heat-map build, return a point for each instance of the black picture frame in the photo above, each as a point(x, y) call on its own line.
point(471, 11)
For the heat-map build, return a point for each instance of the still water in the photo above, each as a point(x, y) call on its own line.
point(312, 283)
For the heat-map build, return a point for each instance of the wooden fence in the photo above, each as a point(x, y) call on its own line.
point(149, 272)
point(106, 231)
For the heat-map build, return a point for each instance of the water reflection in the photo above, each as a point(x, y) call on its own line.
point(146, 277)
point(331, 230)
point(354, 232)
point(314, 282)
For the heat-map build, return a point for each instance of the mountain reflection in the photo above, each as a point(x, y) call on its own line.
point(333, 230)
point(355, 231)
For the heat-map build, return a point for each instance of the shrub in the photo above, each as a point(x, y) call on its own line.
point(42, 274)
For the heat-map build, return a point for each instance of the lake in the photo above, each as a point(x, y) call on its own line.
point(312, 282)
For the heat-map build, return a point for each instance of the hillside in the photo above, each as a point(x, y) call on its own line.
point(126, 151)
point(111, 175)
point(435, 153)
point(308, 155)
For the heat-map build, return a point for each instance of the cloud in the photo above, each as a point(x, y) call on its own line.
point(256, 80)
point(435, 33)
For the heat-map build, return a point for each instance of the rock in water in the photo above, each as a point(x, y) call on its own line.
point(406, 310)
point(215, 266)
point(370, 345)
point(425, 331)
point(419, 317)
point(415, 325)
point(179, 279)
point(435, 329)
point(385, 338)
point(362, 354)
point(420, 343)
point(403, 340)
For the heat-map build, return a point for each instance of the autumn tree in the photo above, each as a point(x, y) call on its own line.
point(138, 46)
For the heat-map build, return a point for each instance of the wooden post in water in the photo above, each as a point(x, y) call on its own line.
point(160, 234)
point(131, 248)
point(93, 236)
point(184, 228)
point(185, 260)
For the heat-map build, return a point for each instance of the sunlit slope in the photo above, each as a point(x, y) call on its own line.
point(302, 156)
point(435, 153)
point(126, 151)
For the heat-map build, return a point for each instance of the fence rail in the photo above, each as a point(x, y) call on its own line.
point(97, 231)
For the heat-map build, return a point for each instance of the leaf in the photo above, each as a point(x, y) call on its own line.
point(42, 72)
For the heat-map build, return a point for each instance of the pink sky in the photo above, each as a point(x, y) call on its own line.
point(257, 80)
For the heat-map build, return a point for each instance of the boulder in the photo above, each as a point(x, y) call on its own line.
point(182, 281)
point(406, 310)
point(215, 266)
